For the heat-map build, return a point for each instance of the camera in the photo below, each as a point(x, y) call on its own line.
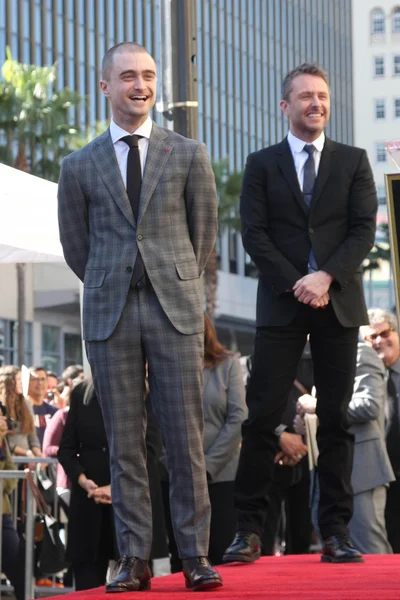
point(11, 424)
point(50, 396)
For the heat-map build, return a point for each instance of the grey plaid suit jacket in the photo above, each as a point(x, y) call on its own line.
point(175, 232)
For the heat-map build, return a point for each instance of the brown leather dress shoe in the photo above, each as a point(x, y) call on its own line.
point(246, 547)
point(339, 549)
point(200, 575)
point(133, 576)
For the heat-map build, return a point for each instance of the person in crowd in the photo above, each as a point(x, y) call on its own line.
point(83, 454)
point(384, 339)
point(37, 393)
point(372, 471)
point(51, 443)
point(138, 220)
point(308, 210)
point(224, 408)
point(12, 560)
point(70, 377)
point(22, 439)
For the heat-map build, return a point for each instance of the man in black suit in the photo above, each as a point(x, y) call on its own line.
point(308, 209)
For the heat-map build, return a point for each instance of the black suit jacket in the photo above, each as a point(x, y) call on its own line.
point(278, 231)
point(83, 449)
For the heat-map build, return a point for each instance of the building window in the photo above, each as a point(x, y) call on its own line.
point(9, 343)
point(72, 349)
point(380, 109)
point(379, 66)
point(397, 108)
point(396, 65)
point(396, 20)
point(381, 195)
point(51, 348)
point(381, 155)
point(377, 22)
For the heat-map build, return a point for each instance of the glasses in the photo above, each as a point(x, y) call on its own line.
point(382, 334)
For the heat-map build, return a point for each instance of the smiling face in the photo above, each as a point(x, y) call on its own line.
point(130, 85)
point(308, 107)
point(385, 342)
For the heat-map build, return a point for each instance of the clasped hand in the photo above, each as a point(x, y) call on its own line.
point(313, 289)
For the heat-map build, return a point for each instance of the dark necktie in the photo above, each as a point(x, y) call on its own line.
point(308, 189)
point(133, 186)
point(393, 432)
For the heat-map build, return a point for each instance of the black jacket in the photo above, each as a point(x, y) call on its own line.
point(84, 449)
point(278, 232)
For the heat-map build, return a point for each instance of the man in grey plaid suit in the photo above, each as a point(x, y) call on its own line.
point(158, 319)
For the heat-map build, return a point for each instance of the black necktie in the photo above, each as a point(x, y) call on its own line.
point(133, 186)
point(308, 189)
point(393, 432)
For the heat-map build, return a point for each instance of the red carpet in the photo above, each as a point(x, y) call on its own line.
point(280, 578)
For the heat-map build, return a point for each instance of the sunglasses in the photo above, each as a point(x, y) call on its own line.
point(382, 334)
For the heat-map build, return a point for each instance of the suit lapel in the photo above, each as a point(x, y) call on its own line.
point(324, 170)
point(286, 164)
point(158, 154)
point(106, 163)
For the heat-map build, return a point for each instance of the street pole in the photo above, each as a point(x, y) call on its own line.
point(184, 70)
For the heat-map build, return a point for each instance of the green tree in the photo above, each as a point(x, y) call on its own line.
point(228, 190)
point(35, 134)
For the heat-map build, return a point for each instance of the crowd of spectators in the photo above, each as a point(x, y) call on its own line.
point(60, 417)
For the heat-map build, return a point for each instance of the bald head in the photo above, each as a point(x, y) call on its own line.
point(108, 59)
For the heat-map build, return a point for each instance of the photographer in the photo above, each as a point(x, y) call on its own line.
point(37, 392)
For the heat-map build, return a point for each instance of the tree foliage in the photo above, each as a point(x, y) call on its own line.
point(35, 118)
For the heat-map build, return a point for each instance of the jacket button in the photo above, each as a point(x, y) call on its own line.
point(140, 237)
point(129, 269)
point(311, 230)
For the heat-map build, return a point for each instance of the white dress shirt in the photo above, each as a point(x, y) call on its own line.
point(122, 149)
point(300, 155)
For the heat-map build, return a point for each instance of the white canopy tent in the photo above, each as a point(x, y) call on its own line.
point(28, 218)
point(28, 222)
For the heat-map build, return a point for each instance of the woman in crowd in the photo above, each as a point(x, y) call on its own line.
point(12, 559)
point(224, 407)
point(83, 453)
point(22, 440)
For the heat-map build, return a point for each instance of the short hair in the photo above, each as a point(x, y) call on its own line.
point(303, 69)
point(108, 59)
point(377, 316)
point(52, 374)
point(39, 368)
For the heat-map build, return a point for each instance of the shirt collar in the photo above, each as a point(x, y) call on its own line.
point(117, 132)
point(395, 366)
point(297, 145)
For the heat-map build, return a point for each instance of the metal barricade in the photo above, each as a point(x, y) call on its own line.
point(30, 588)
point(29, 529)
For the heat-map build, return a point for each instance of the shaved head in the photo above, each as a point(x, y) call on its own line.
point(108, 59)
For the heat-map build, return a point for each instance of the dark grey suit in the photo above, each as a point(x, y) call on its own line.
point(372, 470)
point(161, 323)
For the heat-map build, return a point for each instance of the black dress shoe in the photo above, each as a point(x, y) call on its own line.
point(200, 575)
point(133, 575)
point(339, 549)
point(246, 547)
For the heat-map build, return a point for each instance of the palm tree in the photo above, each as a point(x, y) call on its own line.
point(228, 190)
point(35, 134)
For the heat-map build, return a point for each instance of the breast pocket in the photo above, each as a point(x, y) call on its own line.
point(94, 278)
